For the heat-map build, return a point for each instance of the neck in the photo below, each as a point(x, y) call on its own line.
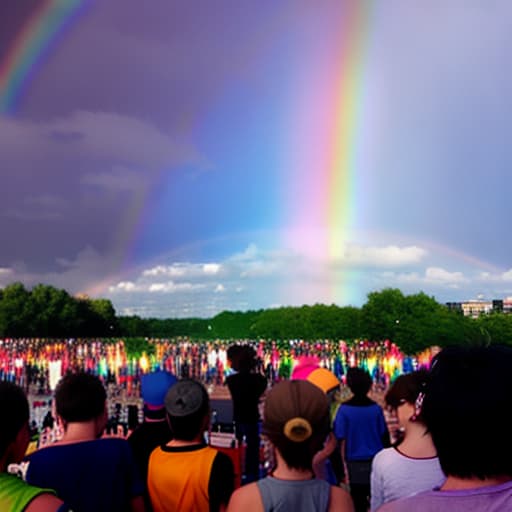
point(182, 442)
point(417, 442)
point(455, 483)
point(80, 431)
point(285, 472)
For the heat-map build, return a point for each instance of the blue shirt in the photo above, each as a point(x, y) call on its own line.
point(363, 428)
point(91, 476)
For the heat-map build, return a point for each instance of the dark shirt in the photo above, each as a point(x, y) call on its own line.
point(92, 476)
point(246, 390)
point(144, 439)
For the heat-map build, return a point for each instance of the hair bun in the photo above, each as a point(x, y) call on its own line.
point(297, 429)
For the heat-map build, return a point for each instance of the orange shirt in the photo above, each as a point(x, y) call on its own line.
point(178, 478)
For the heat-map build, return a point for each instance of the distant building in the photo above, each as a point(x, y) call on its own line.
point(475, 308)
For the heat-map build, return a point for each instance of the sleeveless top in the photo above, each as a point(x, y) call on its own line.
point(178, 480)
point(15, 494)
point(294, 495)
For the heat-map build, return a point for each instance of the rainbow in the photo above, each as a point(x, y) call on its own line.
point(332, 125)
point(33, 41)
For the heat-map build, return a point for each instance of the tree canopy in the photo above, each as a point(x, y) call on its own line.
point(413, 322)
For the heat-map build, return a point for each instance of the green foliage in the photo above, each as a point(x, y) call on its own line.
point(413, 322)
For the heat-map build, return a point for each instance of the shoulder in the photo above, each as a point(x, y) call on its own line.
point(340, 500)
point(45, 503)
point(384, 456)
point(246, 498)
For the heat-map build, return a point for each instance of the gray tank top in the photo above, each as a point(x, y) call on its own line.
point(294, 495)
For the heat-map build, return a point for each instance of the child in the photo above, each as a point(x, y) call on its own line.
point(296, 422)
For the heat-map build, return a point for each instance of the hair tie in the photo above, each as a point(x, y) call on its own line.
point(297, 429)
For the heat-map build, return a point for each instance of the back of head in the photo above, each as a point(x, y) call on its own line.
point(466, 410)
point(408, 388)
point(80, 397)
point(359, 381)
point(188, 405)
point(246, 359)
point(14, 405)
point(296, 421)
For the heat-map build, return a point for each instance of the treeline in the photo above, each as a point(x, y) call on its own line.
point(413, 322)
point(48, 312)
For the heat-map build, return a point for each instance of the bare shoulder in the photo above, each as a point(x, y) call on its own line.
point(44, 503)
point(246, 498)
point(341, 500)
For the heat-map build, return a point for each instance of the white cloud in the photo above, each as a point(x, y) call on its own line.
point(390, 255)
point(441, 275)
point(123, 286)
point(172, 287)
point(211, 268)
point(5, 271)
point(163, 270)
point(220, 288)
point(507, 276)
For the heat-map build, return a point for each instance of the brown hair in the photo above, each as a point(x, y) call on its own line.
point(296, 421)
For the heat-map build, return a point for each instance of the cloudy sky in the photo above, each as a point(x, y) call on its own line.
point(186, 157)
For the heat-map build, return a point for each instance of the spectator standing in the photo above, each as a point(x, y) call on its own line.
point(296, 422)
point(247, 387)
point(466, 410)
point(155, 430)
point(186, 475)
point(91, 474)
point(15, 494)
point(412, 465)
point(362, 430)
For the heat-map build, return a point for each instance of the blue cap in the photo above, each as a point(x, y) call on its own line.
point(154, 387)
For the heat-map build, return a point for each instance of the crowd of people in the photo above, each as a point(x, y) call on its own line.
point(328, 443)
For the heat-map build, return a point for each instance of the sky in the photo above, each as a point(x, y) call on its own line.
point(189, 157)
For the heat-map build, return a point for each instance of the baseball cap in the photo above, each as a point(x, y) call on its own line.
point(324, 379)
point(186, 397)
point(154, 386)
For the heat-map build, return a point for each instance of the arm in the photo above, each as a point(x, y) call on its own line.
point(340, 501)
point(321, 456)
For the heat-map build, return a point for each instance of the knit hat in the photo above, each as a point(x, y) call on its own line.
point(186, 397)
point(295, 410)
point(154, 387)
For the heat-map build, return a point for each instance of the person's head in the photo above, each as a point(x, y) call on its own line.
point(153, 388)
point(232, 354)
point(14, 432)
point(188, 409)
point(80, 398)
point(296, 421)
point(359, 381)
point(246, 357)
point(406, 394)
point(466, 409)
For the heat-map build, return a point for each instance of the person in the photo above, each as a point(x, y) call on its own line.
point(296, 422)
point(246, 388)
point(15, 494)
point(412, 465)
point(185, 474)
point(155, 430)
point(362, 430)
point(89, 473)
point(466, 411)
